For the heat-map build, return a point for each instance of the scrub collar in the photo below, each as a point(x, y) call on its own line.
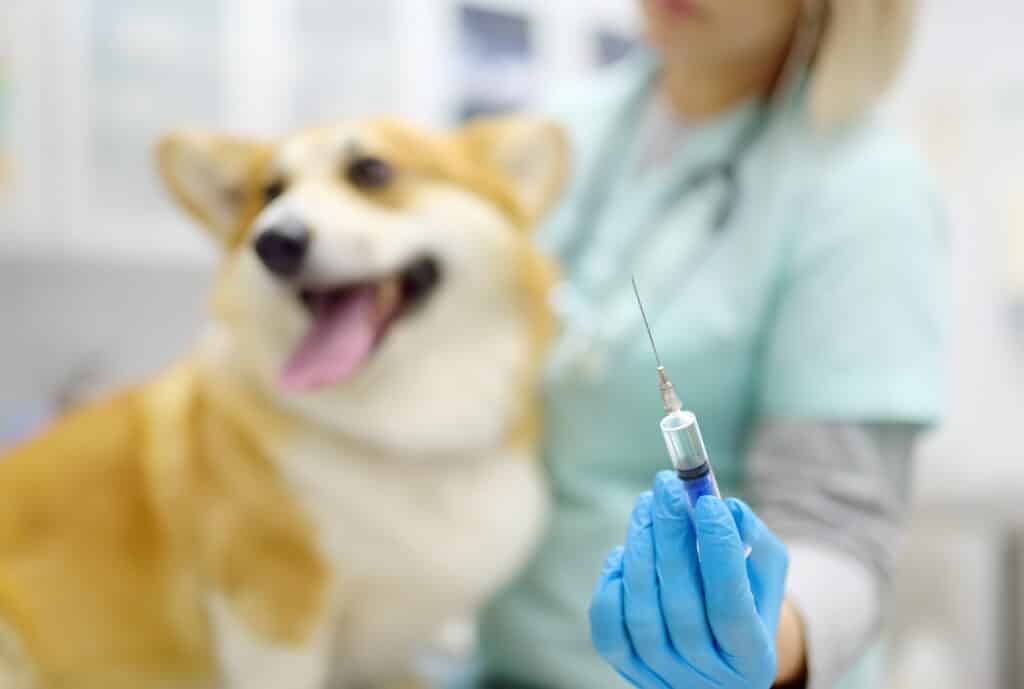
point(711, 143)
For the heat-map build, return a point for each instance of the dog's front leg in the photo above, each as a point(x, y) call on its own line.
point(272, 604)
point(249, 660)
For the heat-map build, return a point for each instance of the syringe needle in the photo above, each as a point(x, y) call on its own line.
point(669, 399)
point(647, 325)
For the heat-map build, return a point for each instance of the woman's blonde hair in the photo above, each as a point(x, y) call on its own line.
point(857, 53)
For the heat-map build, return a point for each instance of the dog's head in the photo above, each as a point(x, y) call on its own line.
point(378, 278)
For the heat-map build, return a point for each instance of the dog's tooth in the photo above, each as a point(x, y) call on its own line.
point(388, 295)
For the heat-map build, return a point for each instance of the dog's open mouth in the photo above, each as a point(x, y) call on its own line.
point(349, 321)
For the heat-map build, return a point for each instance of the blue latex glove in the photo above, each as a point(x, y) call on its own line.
point(666, 619)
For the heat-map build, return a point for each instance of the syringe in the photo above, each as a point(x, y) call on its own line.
point(681, 432)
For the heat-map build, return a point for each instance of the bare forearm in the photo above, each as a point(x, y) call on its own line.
point(790, 648)
point(835, 493)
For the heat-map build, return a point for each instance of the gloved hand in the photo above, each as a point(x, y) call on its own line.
point(666, 619)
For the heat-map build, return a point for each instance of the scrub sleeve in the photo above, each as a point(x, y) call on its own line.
point(855, 336)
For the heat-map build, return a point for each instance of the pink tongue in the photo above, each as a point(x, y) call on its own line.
point(340, 339)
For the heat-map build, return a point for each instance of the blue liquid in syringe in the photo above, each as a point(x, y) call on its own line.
point(703, 485)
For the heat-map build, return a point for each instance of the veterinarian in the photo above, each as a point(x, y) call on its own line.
point(790, 250)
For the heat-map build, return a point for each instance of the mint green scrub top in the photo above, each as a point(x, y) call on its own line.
point(819, 298)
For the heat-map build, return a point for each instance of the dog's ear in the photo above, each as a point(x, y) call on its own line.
point(215, 177)
point(532, 153)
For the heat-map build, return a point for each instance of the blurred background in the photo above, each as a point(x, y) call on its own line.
point(102, 280)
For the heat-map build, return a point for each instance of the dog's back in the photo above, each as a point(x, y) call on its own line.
point(89, 576)
point(120, 521)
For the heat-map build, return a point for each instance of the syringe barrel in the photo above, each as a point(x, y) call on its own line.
point(696, 486)
point(683, 441)
point(689, 456)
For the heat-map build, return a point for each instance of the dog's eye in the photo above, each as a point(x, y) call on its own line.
point(367, 172)
point(273, 190)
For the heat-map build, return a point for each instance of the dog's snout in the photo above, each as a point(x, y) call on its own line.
point(283, 247)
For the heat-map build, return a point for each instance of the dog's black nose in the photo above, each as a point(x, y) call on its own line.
point(283, 248)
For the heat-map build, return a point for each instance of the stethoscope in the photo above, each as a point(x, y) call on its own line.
point(585, 347)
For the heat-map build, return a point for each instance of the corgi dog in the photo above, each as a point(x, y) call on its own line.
point(344, 462)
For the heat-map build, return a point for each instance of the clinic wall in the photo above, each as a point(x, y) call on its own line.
point(958, 613)
point(93, 82)
point(962, 97)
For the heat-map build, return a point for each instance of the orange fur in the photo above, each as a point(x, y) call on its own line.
point(539, 277)
point(89, 573)
point(124, 514)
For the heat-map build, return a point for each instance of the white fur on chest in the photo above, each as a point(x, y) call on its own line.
point(415, 545)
